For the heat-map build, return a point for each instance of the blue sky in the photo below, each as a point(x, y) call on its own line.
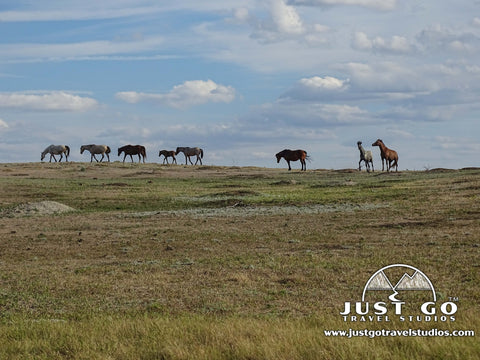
point(243, 79)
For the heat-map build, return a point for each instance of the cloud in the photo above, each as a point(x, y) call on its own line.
point(188, 94)
point(70, 51)
point(3, 124)
point(383, 5)
point(47, 101)
point(74, 14)
point(440, 38)
point(397, 44)
point(326, 83)
point(286, 18)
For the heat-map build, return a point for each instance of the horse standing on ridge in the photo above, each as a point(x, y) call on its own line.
point(96, 149)
point(188, 151)
point(133, 150)
point(390, 156)
point(56, 150)
point(365, 156)
point(293, 155)
point(167, 154)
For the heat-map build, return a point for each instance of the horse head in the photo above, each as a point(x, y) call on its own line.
point(82, 149)
point(177, 151)
point(378, 143)
point(278, 156)
point(359, 143)
point(119, 151)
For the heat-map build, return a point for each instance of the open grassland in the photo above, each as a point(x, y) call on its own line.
point(176, 262)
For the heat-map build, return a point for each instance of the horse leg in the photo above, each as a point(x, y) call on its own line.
point(124, 156)
point(61, 157)
point(190, 159)
point(360, 165)
point(289, 168)
point(108, 157)
point(304, 164)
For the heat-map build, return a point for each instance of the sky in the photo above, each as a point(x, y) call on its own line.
point(243, 79)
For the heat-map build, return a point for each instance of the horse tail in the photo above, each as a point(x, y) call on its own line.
point(68, 150)
point(108, 150)
point(144, 152)
point(201, 153)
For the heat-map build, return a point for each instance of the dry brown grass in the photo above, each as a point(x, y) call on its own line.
point(148, 243)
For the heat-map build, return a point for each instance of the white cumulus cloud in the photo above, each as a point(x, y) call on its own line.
point(286, 18)
point(326, 83)
point(188, 94)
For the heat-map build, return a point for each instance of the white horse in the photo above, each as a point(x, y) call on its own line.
point(56, 150)
point(187, 151)
point(96, 149)
point(365, 156)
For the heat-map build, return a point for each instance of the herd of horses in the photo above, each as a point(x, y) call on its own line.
point(389, 156)
point(130, 150)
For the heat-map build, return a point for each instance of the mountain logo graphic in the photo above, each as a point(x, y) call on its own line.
point(380, 281)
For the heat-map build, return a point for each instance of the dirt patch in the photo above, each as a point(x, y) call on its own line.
point(40, 208)
point(247, 211)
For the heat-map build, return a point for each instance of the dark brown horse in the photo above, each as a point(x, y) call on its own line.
point(167, 154)
point(133, 150)
point(390, 156)
point(293, 155)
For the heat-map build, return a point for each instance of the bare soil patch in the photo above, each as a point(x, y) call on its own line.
point(40, 208)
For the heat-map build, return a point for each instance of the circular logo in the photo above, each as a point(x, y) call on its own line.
point(398, 277)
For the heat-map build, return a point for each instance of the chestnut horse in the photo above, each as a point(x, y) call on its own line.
point(167, 154)
point(293, 155)
point(390, 156)
point(133, 150)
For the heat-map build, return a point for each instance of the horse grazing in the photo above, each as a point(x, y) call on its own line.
point(293, 155)
point(188, 151)
point(167, 154)
point(390, 156)
point(133, 150)
point(365, 156)
point(96, 149)
point(56, 150)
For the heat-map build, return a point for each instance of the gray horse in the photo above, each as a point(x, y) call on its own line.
point(365, 156)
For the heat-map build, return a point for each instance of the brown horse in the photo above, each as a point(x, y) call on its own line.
point(167, 154)
point(293, 155)
point(390, 156)
point(133, 150)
